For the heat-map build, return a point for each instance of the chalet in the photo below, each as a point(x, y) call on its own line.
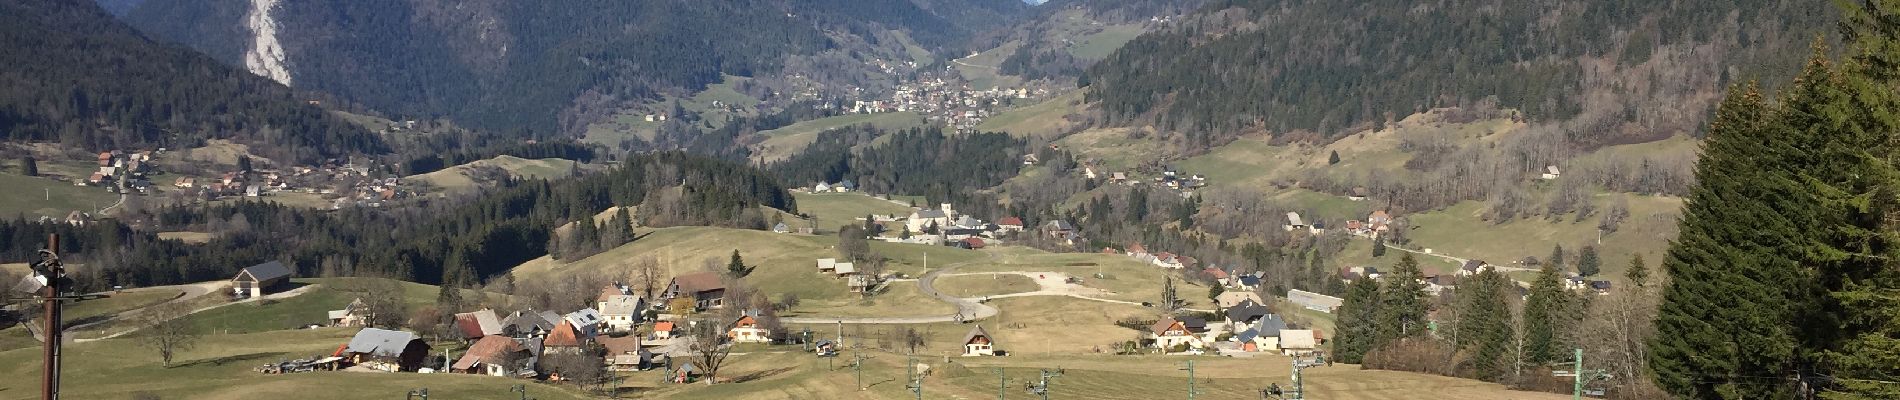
point(705, 288)
point(260, 279)
point(1247, 282)
point(821, 187)
point(1186, 262)
point(1010, 224)
point(924, 219)
point(664, 329)
point(1293, 222)
point(619, 309)
point(1169, 333)
point(1378, 221)
point(1550, 172)
point(1473, 267)
point(77, 218)
point(781, 228)
point(827, 264)
point(1601, 287)
point(528, 324)
point(845, 186)
point(1166, 260)
point(476, 325)
point(1235, 298)
point(1294, 342)
point(1118, 177)
point(684, 373)
point(1219, 275)
point(624, 353)
point(351, 315)
point(495, 356)
point(586, 321)
point(747, 330)
point(1314, 301)
point(1030, 159)
point(1254, 340)
point(844, 269)
point(564, 339)
point(1358, 194)
point(1058, 229)
point(387, 350)
point(978, 343)
point(185, 183)
point(96, 178)
point(1138, 252)
point(1255, 317)
point(105, 159)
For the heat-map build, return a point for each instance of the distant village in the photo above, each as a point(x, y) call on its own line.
point(943, 97)
point(343, 183)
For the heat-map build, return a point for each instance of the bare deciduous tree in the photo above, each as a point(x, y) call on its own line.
point(648, 276)
point(165, 332)
point(710, 347)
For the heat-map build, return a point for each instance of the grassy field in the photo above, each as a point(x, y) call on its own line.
point(219, 368)
point(462, 177)
point(632, 123)
point(309, 308)
point(900, 298)
point(785, 263)
point(784, 142)
point(834, 210)
point(1127, 278)
point(1046, 119)
point(1458, 231)
point(80, 312)
point(981, 69)
point(186, 236)
point(1112, 148)
point(985, 285)
point(38, 196)
point(1098, 45)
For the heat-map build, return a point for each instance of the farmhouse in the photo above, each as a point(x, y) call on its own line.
point(620, 309)
point(1170, 333)
point(260, 279)
point(1236, 298)
point(495, 356)
point(827, 264)
point(350, 315)
point(1298, 342)
point(705, 288)
point(526, 324)
point(564, 339)
point(386, 350)
point(478, 324)
point(1293, 222)
point(978, 343)
point(1009, 224)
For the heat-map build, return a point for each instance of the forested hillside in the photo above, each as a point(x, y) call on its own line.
point(75, 75)
point(921, 162)
point(454, 240)
point(1626, 71)
point(502, 65)
point(1062, 38)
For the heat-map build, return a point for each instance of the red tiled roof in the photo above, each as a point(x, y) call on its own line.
point(663, 326)
point(1010, 221)
point(1137, 249)
point(563, 335)
point(468, 326)
point(698, 282)
point(974, 243)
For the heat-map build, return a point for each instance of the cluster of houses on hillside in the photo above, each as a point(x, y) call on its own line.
point(1181, 183)
point(123, 171)
point(942, 96)
point(1161, 259)
point(855, 280)
point(1247, 326)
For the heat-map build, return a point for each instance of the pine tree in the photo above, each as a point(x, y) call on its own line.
point(736, 267)
point(1542, 312)
point(1378, 247)
point(1405, 307)
point(1556, 257)
point(1863, 283)
point(623, 228)
point(1638, 272)
point(1333, 159)
point(29, 167)
point(1214, 291)
point(1587, 262)
point(1358, 321)
point(1484, 325)
point(1726, 318)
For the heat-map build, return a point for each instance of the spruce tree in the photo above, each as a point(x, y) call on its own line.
point(1378, 247)
point(1864, 284)
point(1638, 272)
point(1484, 325)
point(736, 267)
point(1725, 318)
point(1357, 322)
point(1168, 297)
point(1587, 262)
point(1333, 158)
point(1556, 257)
point(623, 228)
point(29, 167)
point(1542, 313)
point(1405, 307)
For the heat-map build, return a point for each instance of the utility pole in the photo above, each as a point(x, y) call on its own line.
point(1577, 392)
point(858, 367)
point(916, 384)
point(52, 273)
point(1002, 384)
point(1190, 370)
point(1041, 388)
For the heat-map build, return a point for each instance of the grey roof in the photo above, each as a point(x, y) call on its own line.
point(1193, 323)
point(968, 221)
point(1247, 312)
point(380, 342)
point(848, 184)
point(931, 213)
point(1247, 335)
point(1272, 324)
point(1061, 225)
point(268, 271)
point(622, 305)
point(527, 322)
point(977, 331)
point(1249, 280)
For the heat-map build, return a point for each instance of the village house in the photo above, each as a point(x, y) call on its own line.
point(1293, 222)
point(747, 330)
point(564, 339)
point(663, 330)
point(781, 228)
point(478, 324)
point(1248, 282)
point(586, 321)
point(1058, 229)
point(1169, 333)
point(1473, 267)
point(620, 309)
point(261, 279)
point(1358, 194)
point(495, 356)
point(1220, 276)
point(826, 265)
point(859, 284)
point(978, 343)
point(1166, 260)
point(1550, 173)
point(844, 269)
point(924, 219)
point(1314, 301)
point(528, 324)
point(1139, 252)
point(705, 288)
point(1297, 342)
point(625, 354)
point(1232, 299)
point(1009, 225)
point(351, 315)
point(386, 350)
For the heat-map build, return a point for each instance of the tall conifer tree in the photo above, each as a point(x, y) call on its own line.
point(1358, 321)
point(1404, 295)
point(1484, 324)
point(1543, 314)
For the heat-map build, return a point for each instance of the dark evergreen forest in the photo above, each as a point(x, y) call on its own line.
point(920, 161)
point(75, 75)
